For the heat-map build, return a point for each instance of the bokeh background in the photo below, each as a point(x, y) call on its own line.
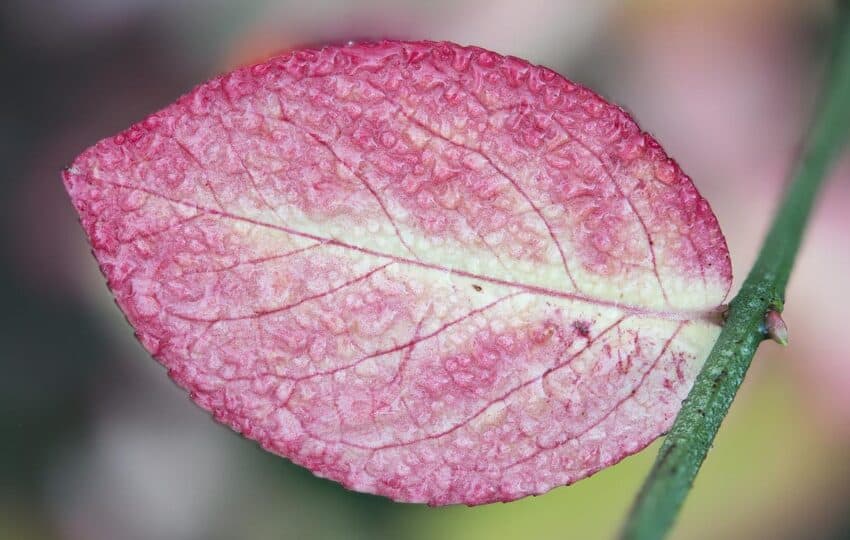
point(95, 441)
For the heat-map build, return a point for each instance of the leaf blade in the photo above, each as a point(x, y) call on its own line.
point(437, 274)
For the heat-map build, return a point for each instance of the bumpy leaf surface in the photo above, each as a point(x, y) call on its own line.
point(421, 270)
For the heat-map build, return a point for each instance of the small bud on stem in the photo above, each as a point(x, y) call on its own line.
point(775, 327)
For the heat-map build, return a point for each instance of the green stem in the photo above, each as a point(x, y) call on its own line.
point(691, 436)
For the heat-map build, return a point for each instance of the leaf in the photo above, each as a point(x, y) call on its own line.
point(421, 270)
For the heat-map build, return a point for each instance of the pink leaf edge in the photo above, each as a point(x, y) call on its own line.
point(422, 270)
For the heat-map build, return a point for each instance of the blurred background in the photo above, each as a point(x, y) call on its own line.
point(97, 443)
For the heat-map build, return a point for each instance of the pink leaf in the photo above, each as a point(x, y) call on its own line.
point(421, 270)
